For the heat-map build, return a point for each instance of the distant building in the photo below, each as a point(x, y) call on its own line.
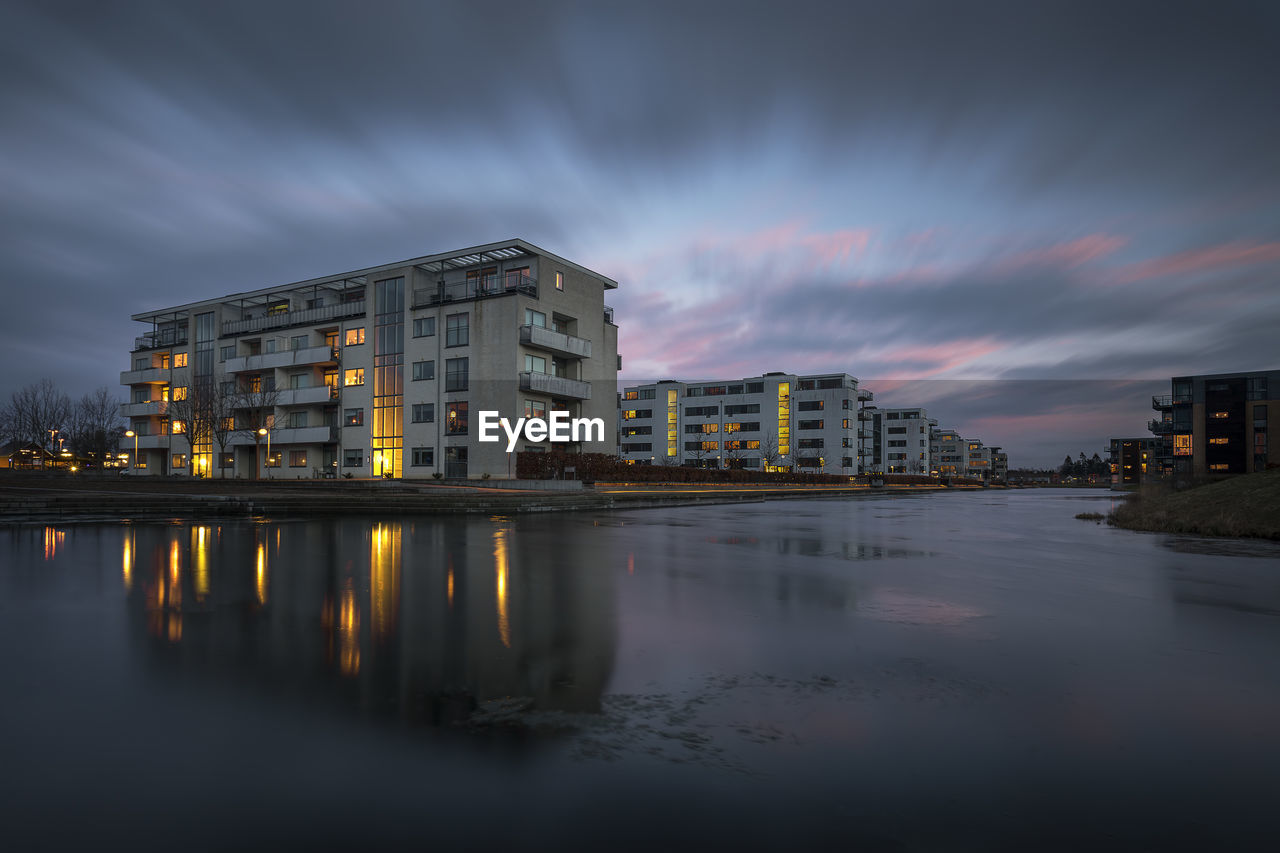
point(1217, 424)
point(1133, 460)
point(900, 441)
point(948, 452)
point(775, 422)
point(376, 372)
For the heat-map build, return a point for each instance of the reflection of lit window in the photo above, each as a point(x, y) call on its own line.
point(354, 376)
point(1218, 467)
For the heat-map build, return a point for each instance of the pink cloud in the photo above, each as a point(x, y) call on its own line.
point(1196, 260)
point(940, 357)
point(1070, 255)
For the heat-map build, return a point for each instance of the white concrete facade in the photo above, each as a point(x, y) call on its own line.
point(777, 421)
point(900, 442)
point(377, 372)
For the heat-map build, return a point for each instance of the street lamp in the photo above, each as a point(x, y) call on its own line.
point(133, 463)
point(263, 431)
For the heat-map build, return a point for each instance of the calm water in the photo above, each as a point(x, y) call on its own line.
point(944, 672)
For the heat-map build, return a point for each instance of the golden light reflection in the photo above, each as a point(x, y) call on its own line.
point(53, 537)
point(175, 575)
point(126, 561)
point(260, 573)
point(449, 582)
point(348, 632)
point(501, 568)
point(384, 579)
point(631, 563)
point(201, 535)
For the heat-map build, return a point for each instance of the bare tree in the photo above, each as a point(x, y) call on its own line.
point(222, 411)
point(95, 424)
point(769, 451)
point(255, 407)
point(196, 410)
point(35, 412)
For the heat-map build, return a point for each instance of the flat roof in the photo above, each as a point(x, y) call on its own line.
point(505, 250)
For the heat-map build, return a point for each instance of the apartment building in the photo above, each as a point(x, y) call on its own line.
point(376, 372)
point(1133, 460)
point(948, 453)
point(773, 422)
point(1217, 424)
point(900, 442)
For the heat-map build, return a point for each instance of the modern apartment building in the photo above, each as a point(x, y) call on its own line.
point(376, 372)
point(900, 442)
point(1218, 424)
point(1133, 460)
point(775, 422)
point(954, 456)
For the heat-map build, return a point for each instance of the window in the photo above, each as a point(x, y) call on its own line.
point(298, 342)
point(705, 429)
point(631, 414)
point(227, 352)
point(278, 308)
point(1218, 441)
point(810, 443)
point(1182, 445)
point(1220, 416)
point(297, 420)
point(141, 395)
point(318, 302)
point(353, 417)
point(271, 344)
point(177, 427)
point(810, 425)
point(354, 376)
point(179, 392)
point(273, 461)
point(424, 457)
point(424, 413)
point(457, 421)
point(536, 409)
point(1219, 467)
point(179, 359)
point(701, 411)
point(455, 374)
point(559, 280)
point(355, 336)
point(457, 331)
point(179, 460)
point(535, 364)
point(742, 444)
point(900, 443)
point(631, 395)
point(897, 430)
point(424, 327)
point(648, 393)
point(141, 363)
point(844, 423)
point(534, 318)
point(747, 409)
point(810, 405)
point(638, 447)
point(299, 380)
point(297, 458)
point(227, 460)
point(644, 430)
point(353, 458)
point(424, 370)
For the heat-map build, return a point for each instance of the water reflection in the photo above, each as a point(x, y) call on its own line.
point(419, 621)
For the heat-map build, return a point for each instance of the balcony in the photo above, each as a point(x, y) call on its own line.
point(475, 288)
point(284, 358)
point(866, 396)
point(557, 342)
point(556, 386)
point(148, 375)
point(1160, 427)
point(306, 317)
point(150, 442)
point(145, 409)
point(306, 396)
point(280, 437)
point(157, 340)
point(866, 415)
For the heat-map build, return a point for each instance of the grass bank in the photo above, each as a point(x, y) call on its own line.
point(1244, 506)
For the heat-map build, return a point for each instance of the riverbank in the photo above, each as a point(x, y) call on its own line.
point(1243, 506)
point(27, 499)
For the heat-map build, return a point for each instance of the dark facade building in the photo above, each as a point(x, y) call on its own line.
point(1217, 424)
point(1133, 460)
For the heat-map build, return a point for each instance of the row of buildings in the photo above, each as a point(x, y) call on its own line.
point(382, 371)
point(784, 421)
point(1206, 426)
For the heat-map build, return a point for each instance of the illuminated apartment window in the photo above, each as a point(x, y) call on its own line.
point(1218, 441)
point(559, 280)
point(673, 415)
point(297, 458)
point(457, 420)
point(353, 417)
point(355, 336)
point(177, 427)
point(179, 392)
point(1219, 467)
point(535, 409)
point(278, 308)
point(180, 359)
point(1182, 445)
point(179, 460)
point(273, 461)
point(354, 376)
point(631, 395)
point(1220, 416)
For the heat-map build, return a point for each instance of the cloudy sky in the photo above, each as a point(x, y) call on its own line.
point(1071, 202)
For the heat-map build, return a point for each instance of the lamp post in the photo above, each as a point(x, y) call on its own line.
point(263, 431)
point(133, 463)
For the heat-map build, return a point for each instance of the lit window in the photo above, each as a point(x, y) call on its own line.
point(273, 461)
point(297, 458)
point(180, 359)
point(537, 409)
point(179, 460)
point(177, 427)
point(1219, 467)
point(457, 423)
point(1182, 445)
point(631, 395)
point(1217, 441)
point(179, 392)
point(354, 376)
point(1220, 416)
point(559, 280)
point(355, 337)
point(353, 417)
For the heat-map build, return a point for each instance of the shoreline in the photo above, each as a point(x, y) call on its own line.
point(104, 501)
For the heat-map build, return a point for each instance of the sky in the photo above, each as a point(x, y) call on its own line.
point(1026, 217)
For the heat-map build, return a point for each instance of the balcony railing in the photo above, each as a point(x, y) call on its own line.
point(608, 315)
point(557, 342)
point(147, 375)
point(288, 435)
point(556, 386)
point(162, 338)
point(866, 396)
point(475, 288)
point(865, 415)
point(307, 316)
point(306, 396)
point(148, 442)
point(147, 408)
point(282, 358)
point(1160, 427)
